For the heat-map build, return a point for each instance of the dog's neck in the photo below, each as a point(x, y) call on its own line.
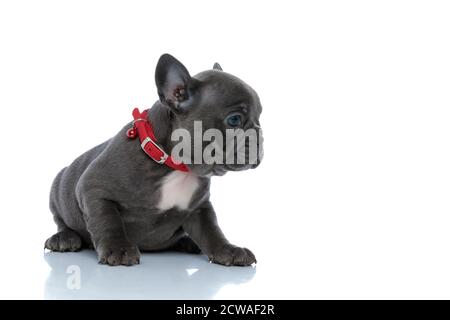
point(160, 118)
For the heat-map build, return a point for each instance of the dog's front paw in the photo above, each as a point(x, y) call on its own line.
point(115, 254)
point(230, 255)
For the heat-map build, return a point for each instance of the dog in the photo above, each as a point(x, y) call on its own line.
point(127, 196)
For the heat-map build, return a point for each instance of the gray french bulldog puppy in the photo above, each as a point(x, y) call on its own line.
point(117, 200)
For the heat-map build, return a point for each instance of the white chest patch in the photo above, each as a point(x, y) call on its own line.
point(177, 190)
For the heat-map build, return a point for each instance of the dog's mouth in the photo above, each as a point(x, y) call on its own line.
point(237, 167)
point(241, 167)
point(220, 170)
point(232, 168)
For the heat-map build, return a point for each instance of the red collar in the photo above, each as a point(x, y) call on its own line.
point(148, 141)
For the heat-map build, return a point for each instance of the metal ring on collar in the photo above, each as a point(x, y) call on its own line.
point(139, 119)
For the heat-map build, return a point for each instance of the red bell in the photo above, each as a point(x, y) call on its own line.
point(131, 133)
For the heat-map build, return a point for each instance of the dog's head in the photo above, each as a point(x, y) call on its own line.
point(215, 118)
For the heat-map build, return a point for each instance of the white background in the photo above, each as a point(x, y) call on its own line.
point(352, 198)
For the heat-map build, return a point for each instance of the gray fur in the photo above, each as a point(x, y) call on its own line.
point(106, 199)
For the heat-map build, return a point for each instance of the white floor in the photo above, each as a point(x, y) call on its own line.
point(159, 276)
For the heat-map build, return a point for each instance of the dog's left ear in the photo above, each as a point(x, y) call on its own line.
point(175, 85)
point(217, 67)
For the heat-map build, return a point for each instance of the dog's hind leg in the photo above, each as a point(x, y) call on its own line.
point(65, 239)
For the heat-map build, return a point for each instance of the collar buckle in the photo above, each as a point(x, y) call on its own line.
point(164, 155)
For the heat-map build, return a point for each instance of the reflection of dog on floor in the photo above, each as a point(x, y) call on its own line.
point(165, 276)
point(119, 201)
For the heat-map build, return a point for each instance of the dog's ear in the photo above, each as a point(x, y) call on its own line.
point(217, 67)
point(175, 85)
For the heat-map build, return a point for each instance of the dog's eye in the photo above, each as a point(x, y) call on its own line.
point(235, 120)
